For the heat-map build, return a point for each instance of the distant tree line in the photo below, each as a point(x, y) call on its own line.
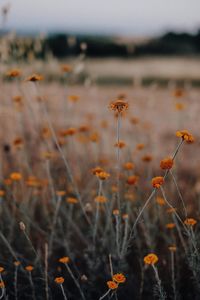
point(64, 45)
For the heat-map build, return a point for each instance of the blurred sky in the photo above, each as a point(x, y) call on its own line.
point(129, 17)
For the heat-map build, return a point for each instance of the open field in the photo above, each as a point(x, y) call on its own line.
point(66, 226)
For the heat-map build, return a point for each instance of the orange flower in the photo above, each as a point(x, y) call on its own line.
point(129, 196)
point(84, 128)
point(160, 201)
point(29, 268)
point(132, 180)
point(172, 248)
point(14, 73)
point(70, 131)
point(103, 175)
point(140, 146)
point(2, 285)
point(147, 158)
point(179, 106)
point(186, 136)
point(120, 144)
point(94, 137)
point(100, 199)
point(18, 142)
point(17, 99)
point(119, 278)
point(34, 78)
point(64, 260)
point(178, 93)
point(157, 181)
point(128, 166)
point(116, 212)
point(166, 163)
point(171, 210)
point(15, 176)
point(170, 225)
point(2, 193)
point(190, 222)
point(112, 285)
point(150, 259)
point(66, 68)
point(59, 280)
point(134, 120)
point(1, 269)
point(71, 200)
point(7, 181)
point(60, 193)
point(73, 98)
point(119, 105)
point(17, 263)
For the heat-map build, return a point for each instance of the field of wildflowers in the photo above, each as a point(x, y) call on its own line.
point(99, 190)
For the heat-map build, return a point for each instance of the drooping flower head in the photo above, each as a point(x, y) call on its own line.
point(186, 136)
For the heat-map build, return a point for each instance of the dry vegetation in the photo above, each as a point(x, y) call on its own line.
point(79, 209)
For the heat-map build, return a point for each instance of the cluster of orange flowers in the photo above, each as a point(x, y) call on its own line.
point(100, 173)
point(116, 280)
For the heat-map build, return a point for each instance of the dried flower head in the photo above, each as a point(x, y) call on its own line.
point(14, 73)
point(150, 259)
point(2, 193)
point(129, 166)
point(73, 98)
point(166, 163)
point(2, 285)
point(172, 248)
point(120, 144)
point(160, 201)
point(119, 278)
point(186, 136)
point(100, 199)
point(15, 176)
point(178, 93)
point(112, 285)
point(119, 105)
point(170, 225)
point(132, 180)
point(157, 181)
point(140, 146)
point(59, 280)
point(71, 200)
point(147, 158)
point(103, 175)
point(18, 143)
point(64, 260)
point(116, 212)
point(60, 193)
point(190, 222)
point(66, 68)
point(34, 78)
point(29, 268)
point(179, 106)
